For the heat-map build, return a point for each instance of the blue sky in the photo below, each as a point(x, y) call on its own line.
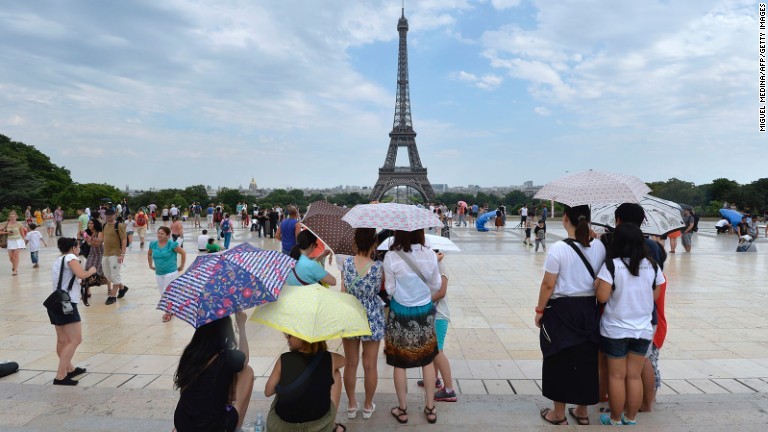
point(301, 93)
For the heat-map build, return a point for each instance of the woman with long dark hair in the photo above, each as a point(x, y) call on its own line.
point(411, 274)
point(567, 315)
point(308, 271)
point(361, 276)
point(214, 378)
point(627, 284)
point(94, 237)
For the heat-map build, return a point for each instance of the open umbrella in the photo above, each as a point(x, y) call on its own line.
point(431, 241)
point(733, 216)
point(218, 285)
point(323, 219)
point(594, 187)
point(314, 313)
point(661, 216)
point(392, 216)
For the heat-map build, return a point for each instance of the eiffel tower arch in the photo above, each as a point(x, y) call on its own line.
point(414, 175)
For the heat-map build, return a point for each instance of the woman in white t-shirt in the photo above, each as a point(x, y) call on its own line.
point(629, 291)
point(67, 272)
point(567, 315)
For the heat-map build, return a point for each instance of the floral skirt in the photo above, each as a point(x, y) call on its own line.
point(410, 340)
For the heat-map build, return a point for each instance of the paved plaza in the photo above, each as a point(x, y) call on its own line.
point(714, 362)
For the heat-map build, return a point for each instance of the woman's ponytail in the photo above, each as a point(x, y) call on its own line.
point(579, 217)
point(295, 252)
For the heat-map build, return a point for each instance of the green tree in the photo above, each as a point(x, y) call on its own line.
point(196, 193)
point(230, 198)
point(723, 189)
point(18, 186)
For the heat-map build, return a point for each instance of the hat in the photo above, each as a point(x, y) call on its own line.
point(109, 212)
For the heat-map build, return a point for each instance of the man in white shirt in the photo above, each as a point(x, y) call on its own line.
point(202, 240)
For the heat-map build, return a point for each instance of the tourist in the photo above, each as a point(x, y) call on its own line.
point(723, 226)
point(742, 230)
point(152, 207)
point(212, 247)
point(226, 230)
point(130, 227)
point(177, 232)
point(218, 217)
point(214, 379)
point(16, 234)
point(209, 215)
point(288, 230)
point(410, 339)
point(541, 234)
point(69, 332)
point(174, 213)
point(498, 221)
point(361, 276)
point(82, 222)
point(114, 254)
point(528, 232)
point(308, 271)
point(28, 215)
point(165, 215)
point(196, 212)
point(444, 393)
point(38, 218)
point(162, 257)
point(689, 222)
point(94, 238)
point(202, 241)
point(523, 211)
point(305, 401)
point(58, 218)
point(49, 222)
point(33, 238)
point(142, 222)
point(627, 283)
point(274, 218)
point(566, 313)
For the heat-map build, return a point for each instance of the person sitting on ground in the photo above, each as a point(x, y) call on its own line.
point(308, 271)
point(202, 241)
point(723, 226)
point(212, 247)
point(305, 402)
point(214, 378)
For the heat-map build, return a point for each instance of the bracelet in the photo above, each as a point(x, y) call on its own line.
point(538, 311)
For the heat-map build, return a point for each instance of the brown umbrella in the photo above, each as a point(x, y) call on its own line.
point(324, 220)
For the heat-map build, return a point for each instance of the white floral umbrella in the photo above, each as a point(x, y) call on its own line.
point(392, 216)
point(431, 241)
point(661, 216)
point(593, 188)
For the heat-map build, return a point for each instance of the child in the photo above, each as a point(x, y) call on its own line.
point(212, 247)
point(628, 285)
point(528, 232)
point(34, 238)
point(540, 233)
point(130, 227)
point(444, 393)
point(214, 378)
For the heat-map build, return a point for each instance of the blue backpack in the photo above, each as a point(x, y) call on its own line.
point(225, 225)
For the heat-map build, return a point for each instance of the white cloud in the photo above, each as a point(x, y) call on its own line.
point(505, 4)
point(542, 111)
point(485, 82)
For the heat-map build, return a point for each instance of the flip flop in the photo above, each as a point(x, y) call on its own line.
point(583, 421)
point(545, 411)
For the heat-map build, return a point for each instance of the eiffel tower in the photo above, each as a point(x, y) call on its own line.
point(414, 175)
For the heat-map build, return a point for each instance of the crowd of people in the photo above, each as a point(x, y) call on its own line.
point(600, 311)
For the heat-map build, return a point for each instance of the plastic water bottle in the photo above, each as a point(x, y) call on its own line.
point(259, 426)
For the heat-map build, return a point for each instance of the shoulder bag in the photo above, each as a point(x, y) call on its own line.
point(60, 299)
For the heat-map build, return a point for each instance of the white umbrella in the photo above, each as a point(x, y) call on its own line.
point(392, 216)
point(432, 241)
point(661, 216)
point(594, 187)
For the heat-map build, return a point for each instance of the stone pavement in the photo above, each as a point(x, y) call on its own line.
point(714, 363)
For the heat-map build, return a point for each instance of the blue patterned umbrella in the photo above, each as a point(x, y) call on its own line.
point(219, 285)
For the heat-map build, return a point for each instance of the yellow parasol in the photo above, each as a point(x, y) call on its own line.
point(314, 313)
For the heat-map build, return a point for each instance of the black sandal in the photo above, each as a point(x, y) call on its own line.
point(582, 421)
point(401, 414)
point(431, 414)
point(544, 413)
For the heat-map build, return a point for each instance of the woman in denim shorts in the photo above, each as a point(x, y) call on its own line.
point(627, 284)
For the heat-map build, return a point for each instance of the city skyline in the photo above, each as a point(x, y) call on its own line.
point(502, 91)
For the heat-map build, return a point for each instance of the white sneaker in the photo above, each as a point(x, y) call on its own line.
point(367, 414)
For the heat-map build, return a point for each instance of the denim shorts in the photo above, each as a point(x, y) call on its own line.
point(619, 348)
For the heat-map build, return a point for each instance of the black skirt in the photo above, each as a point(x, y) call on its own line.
point(571, 376)
point(59, 318)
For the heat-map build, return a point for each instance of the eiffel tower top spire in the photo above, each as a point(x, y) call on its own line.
point(403, 121)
